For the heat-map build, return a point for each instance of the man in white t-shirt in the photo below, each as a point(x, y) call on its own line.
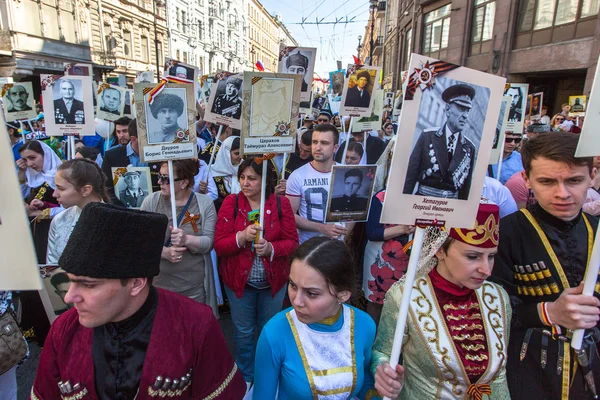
point(308, 187)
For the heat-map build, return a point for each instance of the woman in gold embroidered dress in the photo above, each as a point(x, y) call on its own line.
point(455, 342)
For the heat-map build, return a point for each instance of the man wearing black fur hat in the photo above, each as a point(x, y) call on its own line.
point(166, 109)
point(297, 63)
point(359, 95)
point(125, 339)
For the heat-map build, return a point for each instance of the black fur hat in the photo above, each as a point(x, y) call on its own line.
point(112, 242)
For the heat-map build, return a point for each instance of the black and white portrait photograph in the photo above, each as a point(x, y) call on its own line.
point(498, 144)
point(357, 97)
point(206, 83)
point(177, 71)
point(336, 84)
point(445, 137)
point(133, 185)
point(398, 99)
point(18, 101)
point(271, 110)
point(128, 109)
point(518, 93)
point(167, 117)
point(145, 77)
point(350, 193)
point(166, 121)
point(388, 101)
point(56, 284)
point(225, 103)
point(299, 60)
point(537, 100)
point(68, 105)
point(111, 103)
point(78, 69)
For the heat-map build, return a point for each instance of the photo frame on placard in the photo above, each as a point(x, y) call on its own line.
point(177, 71)
point(589, 145)
point(18, 101)
point(18, 269)
point(453, 111)
point(78, 69)
point(577, 104)
point(350, 193)
point(519, 93)
point(166, 121)
point(336, 84)
point(537, 99)
point(145, 77)
point(498, 143)
point(206, 82)
point(388, 101)
point(57, 92)
point(225, 103)
point(372, 122)
point(132, 185)
point(128, 108)
point(111, 102)
point(270, 114)
point(56, 284)
point(398, 99)
point(301, 61)
point(360, 85)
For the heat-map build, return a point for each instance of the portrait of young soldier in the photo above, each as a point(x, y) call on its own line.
point(229, 103)
point(165, 110)
point(133, 195)
point(350, 201)
point(297, 63)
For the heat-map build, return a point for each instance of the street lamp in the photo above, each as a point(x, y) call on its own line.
point(359, 47)
point(372, 9)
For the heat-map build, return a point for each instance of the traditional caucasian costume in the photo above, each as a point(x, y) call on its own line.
point(171, 347)
point(456, 338)
point(538, 258)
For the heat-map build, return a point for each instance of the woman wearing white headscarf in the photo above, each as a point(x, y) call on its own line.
point(224, 170)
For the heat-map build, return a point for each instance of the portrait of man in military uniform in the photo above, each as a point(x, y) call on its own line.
point(300, 61)
point(442, 160)
point(164, 116)
point(132, 187)
point(271, 104)
point(110, 101)
point(228, 102)
point(67, 108)
point(349, 199)
point(515, 113)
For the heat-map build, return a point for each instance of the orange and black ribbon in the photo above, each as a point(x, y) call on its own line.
point(268, 156)
point(477, 391)
point(438, 67)
point(191, 218)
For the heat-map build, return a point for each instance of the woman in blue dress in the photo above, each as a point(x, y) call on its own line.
point(320, 348)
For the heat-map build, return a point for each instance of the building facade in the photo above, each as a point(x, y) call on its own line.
point(263, 37)
point(552, 45)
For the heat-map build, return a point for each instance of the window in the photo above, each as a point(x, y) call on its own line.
point(67, 22)
point(537, 20)
point(178, 16)
point(127, 44)
point(160, 52)
point(144, 46)
point(108, 37)
point(483, 26)
point(185, 57)
point(184, 21)
point(407, 49)
point(437, 32)
point(177, 55)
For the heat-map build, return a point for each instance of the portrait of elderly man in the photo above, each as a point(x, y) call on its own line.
point(297, 63)
point(350, 201)
point(18, 96)
point(132, 196)
point(516, 103)
point(271, 104)
point(229, 104)
point(359, 96)
point(442, 161)
point(166, 109)
point(67, 109)
point(111, 101)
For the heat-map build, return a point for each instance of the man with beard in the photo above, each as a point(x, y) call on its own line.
point(229, 103)
point(442, 160)
point(67, 109)
point(120, 136)
point(359, 95)
point(516, 104)
point(111, 101)
point(166, 109)
point(18, 96)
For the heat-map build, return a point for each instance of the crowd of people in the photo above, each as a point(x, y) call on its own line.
point(314, 305)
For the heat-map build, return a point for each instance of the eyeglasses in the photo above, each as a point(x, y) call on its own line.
point(509, 140)
point(166, 180)
point(322, 120)
point(559, 119)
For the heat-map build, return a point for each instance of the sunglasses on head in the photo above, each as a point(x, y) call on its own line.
point(166, 180)
point(516, 140)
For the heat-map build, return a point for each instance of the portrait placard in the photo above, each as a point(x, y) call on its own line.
point(398, 99)
point(577, 104)
point(498, 144)
point(68, 105)
point(176, 71)
point(167, 126)
point(449, 116)
point(336, 84)
point(372, 122)
point(132, 185)
point(535, 112)
point(18, 101)
point(270, 117)
point(78, 69)
point(145, 77)
point(589, 139)
point(129, 109)
point(350, 193)
point(360, 84)
point(516, 114)
point(18, 269)
point(111, 102)
point(301, 61)
point(225, 103)
point(388, 101)
point(56, 284)
point(206, 82)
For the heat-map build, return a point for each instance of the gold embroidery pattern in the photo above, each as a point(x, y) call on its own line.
point(472, 347)
point(309, 376)
point(330, 392)
point(497, 321)
point(372, 393)
point(468, 336)
point(76, 396)
point(462, 317)
point(43, 189)
point(475, 368)
point(331, 371)
point(33, 396)
point(466, 327)
point(480, 357)
point(354, 372)
point(489, 229)
point(221, 388)
point(430, 326)
point(454, 307)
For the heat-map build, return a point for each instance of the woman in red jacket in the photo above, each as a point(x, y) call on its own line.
point(255, 274)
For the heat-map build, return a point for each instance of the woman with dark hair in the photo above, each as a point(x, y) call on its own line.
point(90, 153)
point(388, 131)
point(78, 182)
point(225, 169)
point(355, 154)
point(254, 271)
point(321, 346)
point(186, 266)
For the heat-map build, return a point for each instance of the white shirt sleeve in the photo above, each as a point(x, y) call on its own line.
point(294, 184)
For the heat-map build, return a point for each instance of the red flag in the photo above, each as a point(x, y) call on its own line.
point(356, 60)
point(259, 66)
